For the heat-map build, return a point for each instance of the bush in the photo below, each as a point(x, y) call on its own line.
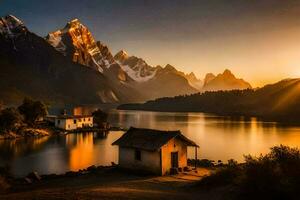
point(32, 110)
point(275, 175)
point(99, 117)
point(9, 118)
point(223, 175)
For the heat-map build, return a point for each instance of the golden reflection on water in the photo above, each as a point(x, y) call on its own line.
point(218, 137)
point(82, 153)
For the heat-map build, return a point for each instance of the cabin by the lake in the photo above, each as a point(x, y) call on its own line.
point(72, 122)
point(154, 151)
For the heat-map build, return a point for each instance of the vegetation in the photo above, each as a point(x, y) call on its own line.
point(275, 175)
point(280, 101)
point(100, 117)
point(15, 121)
point(9, 119)
point(32, 110)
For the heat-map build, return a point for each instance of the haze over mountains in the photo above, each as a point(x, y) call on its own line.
point(279, 101)
point(70, 66)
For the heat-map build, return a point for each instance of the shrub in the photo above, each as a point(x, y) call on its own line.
point(99, 117)
point(32, 110)
point(9, 118)
point(223, 175)
point(275, 175)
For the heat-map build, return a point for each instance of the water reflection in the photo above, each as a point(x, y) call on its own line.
point(218, 137)
point(58, 154)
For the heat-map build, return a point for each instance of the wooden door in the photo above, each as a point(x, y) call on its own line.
point(174, 159)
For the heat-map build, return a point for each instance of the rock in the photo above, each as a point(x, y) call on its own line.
point(92, 168)
point(27, 180)
point(34, 176)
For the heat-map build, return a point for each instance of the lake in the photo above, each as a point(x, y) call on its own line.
point(219, 138)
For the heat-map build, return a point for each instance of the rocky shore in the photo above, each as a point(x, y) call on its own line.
point(23, 132)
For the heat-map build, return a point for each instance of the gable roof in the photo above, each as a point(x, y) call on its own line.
point(150, 139)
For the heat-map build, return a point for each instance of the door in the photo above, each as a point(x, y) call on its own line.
point(174, 159)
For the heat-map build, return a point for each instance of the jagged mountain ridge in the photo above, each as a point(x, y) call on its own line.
point(69, 65)
point(77, 43)
point(224, 81)
point(140, 71)
point(32, 67)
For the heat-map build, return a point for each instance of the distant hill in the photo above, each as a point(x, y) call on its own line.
point(279, 101)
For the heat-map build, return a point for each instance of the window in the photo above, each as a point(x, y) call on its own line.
point(137, 155)
point(84, 119)
point(74, 121)
point(89, 119)
point(58, 122)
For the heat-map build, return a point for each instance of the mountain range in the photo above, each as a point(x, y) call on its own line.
point(70, 66)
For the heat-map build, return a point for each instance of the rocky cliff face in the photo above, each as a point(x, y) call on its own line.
point(76, 41)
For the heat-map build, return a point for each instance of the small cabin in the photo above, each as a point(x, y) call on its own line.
point(155, 151)
point(72, 122)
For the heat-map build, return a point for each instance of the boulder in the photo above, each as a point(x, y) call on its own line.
point(34, 176)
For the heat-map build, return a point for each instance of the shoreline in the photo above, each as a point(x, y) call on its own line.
point(48, 131)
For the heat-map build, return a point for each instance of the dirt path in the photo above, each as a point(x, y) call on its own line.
point(114, 185)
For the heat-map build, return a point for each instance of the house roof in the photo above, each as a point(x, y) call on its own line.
point(150, 139)
point(73, 116)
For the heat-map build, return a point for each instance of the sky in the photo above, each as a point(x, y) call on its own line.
point(258, 40)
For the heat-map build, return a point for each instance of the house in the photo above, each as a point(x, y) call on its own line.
point(155, 151)
point(72, 122)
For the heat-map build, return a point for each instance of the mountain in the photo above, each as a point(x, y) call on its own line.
point(208, 77)
point(279, 101)
point(70, 66)
point(224, 81)
point(32, 67)
point(76, 42)
point(135, 67)
point(157, 81)
point(194, 81)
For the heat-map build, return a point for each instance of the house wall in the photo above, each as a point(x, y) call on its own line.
point(68, 124)
point(85, 122)
point(174, 145)
point(150, 160)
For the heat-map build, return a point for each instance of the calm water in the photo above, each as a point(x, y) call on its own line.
point(219, 138)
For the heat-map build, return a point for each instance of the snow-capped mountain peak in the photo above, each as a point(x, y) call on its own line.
point(76, 41)
point(135, 67)
point(11, 26)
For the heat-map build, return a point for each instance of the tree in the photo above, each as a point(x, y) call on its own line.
point(32, 110)
point(99, 117)
point(9, 118)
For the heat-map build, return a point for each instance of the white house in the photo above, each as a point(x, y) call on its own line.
point(72, 122)
point(154, 151)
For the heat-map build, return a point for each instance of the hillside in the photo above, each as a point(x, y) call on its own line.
point(32, 67)
point(275, 101)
